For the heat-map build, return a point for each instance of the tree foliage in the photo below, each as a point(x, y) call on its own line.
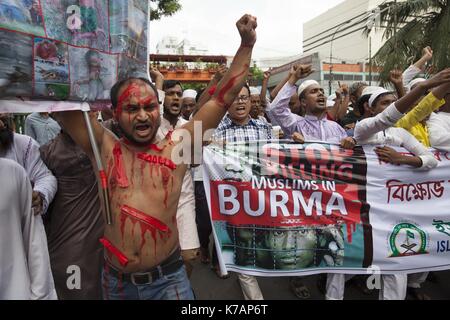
point(256, 77)
point(410, 26)
point(164, 8)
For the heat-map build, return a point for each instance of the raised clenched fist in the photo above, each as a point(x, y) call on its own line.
point(246, 26)
point(427, 53)
point(396, 77)
point(302, 71)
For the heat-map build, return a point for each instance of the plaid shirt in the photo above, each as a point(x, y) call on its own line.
point(254, 130)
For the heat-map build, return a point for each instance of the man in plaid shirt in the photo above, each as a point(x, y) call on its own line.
point(238, 126)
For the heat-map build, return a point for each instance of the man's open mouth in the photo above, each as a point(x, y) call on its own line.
point(176, 106)
point(142, 129)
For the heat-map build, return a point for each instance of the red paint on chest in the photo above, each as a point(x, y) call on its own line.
point(146, 223)
point(153, 159)
point(119, 168)
point(165, 176)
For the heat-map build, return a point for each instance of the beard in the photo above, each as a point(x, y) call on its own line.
point(130, 137)
point(6, 138)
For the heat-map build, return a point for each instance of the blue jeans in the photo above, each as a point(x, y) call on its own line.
point(174, 286)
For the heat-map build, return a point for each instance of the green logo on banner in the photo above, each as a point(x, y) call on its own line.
point(406, 240)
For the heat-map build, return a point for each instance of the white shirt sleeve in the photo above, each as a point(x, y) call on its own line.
point(279, 111)
point(411, 144)
point(187, 227)
point(44, 181)
point(439, 131)
point(42, 286)
point(409, 74)
point(370, 126)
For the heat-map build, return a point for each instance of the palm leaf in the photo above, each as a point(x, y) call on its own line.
point(410, 26)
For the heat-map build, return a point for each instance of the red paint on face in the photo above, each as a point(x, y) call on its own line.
point(228, 86)
point(119, 169)
point(132, 92)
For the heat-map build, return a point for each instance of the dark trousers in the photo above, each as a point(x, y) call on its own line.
point(204, 227)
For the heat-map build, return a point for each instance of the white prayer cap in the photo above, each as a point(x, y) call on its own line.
point(254, 91)
point(414, 82)
point(370, 90)
point(376, 94)
point(189, 93)
point(305, 85)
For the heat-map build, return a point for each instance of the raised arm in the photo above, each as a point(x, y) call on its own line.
point(395, 111)
point(410, 99)
point(157, 77)
point(264, 88)
point(339, 110)
point(279, 111)
point(395, 77)
point(74, 124)
point(433, 101)
point(228, 88)
point(418, 66)
point(206, 95)
point(280, 85)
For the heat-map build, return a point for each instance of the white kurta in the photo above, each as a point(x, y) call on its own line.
point(187, 227)
point(24, 261)
point(25, 151)
point(438, 130)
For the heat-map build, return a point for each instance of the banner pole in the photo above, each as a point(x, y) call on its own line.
point(101, 170)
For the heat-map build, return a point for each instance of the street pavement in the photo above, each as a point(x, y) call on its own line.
point(207, 286)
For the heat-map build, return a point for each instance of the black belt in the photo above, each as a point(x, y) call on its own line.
point(170, 265)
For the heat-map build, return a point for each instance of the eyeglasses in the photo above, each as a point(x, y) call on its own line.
point(242, 98)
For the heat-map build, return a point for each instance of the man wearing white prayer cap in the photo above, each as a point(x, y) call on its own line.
point(188, 104)
point(255, 100)
point(314, 126)
point(381, 99)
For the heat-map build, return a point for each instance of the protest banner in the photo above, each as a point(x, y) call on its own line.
point(288, 209)
point(69, 50)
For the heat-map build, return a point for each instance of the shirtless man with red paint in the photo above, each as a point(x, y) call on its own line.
point(142, 259)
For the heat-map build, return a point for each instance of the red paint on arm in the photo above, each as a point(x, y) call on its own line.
point(212, 90)
point(228, 86)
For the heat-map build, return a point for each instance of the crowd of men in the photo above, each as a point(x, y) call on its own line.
point(54, 241)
